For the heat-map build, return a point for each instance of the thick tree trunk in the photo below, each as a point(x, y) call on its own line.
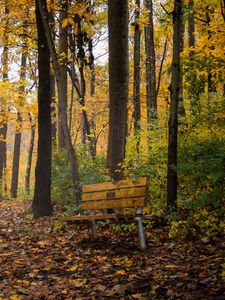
point(17, 141)
point(174, 98)
point(118, 84)
point(137, 58)
point(29, 158)
point(150, 65)
point(63, 113)
point(41, 205)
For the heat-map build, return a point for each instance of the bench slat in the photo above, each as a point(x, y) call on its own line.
point(97, 217)
point(115, 203)
point(111, 185)
point(114, 194)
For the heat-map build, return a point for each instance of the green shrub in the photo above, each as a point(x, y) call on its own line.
point(89, 171)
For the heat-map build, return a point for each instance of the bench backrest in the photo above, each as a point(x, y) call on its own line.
point(125, 193)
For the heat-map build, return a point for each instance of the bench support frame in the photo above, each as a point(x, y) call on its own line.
point(138, 218)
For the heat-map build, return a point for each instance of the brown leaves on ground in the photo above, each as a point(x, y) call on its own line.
point(45, 259)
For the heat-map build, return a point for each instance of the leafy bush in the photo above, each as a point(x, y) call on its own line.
point(89, 171)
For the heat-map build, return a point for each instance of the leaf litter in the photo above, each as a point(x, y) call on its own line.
point(41, 259)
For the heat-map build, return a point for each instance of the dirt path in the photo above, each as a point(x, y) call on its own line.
point(44, 259)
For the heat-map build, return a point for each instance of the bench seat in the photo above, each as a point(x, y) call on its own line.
point(120, 195)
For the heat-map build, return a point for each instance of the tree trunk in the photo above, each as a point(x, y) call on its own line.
point(29, 159)
point(174, 98)
point(181, 109)
point(3, 109)
point(17, 141)
point(3, 149)
point(150, 65)
point(211, 83)
point(161, 67)
point(63, 113)
point(16, 158)
point(41, 205)
point(118, 85)
point(137, 58)
point(53, 94)
point(193, 94)
point(53, 108)
point(63, 56)
point(92, 67)
point(222, 5)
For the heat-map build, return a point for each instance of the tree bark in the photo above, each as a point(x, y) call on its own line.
point(192, 92)
point(41, 205)
point(16, 158)
point(174, 98)
point(3, 149)
point(150, 65)
point(63, 57)
point(29, 158)
point(63, 113)
point(118, 85)
point(211, 83)
point(53, 94)
point(17, 140)
point(137, 58)
point(181, 109)
point(3, 109)
point(161, 67)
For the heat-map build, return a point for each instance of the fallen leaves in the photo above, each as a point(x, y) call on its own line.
point(36, 262)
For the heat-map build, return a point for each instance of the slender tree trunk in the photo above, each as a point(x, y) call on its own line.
point(29, 158)
point(81, 36)
point(181, 109)
point(137, 58)
point(16, 158)
point(174, 98)
point(86, 123)
point(92, 67)
point(211, 83)
point(53, 94)
point(17, 140)
point(150, 65)
point(3, 149)
point(63, 113)
point(53, 108)
point(41, 205)
point(63, 57)
point(161, 67)
point(222, 5)
point(3, 108)
point(118, 85)
point(192, 91)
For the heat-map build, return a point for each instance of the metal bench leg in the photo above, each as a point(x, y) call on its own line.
point(140, 229)
point(94, 228)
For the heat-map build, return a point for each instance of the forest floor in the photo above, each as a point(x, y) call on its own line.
point(44, 259)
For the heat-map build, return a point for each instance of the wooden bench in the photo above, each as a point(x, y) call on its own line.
point(119, 195)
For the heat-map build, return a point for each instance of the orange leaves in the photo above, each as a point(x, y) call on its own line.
point(37, 262)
